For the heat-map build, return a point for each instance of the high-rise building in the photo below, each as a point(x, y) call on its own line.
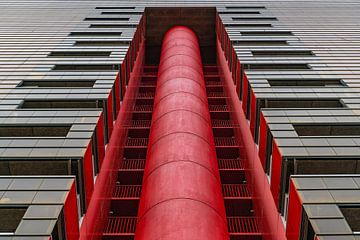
point(180, 120)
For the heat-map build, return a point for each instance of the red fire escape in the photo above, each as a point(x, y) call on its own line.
point(132, 196)
point(241, 220)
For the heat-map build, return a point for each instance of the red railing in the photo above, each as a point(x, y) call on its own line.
point(268, 221)
point(121, 225)
point(126, 83)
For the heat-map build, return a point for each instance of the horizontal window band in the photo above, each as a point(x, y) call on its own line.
point(301, 103)
point(239, 12)
point(115, 7)
point(112, 26)
point(260, 43)
point(95, 34)
point(121, 13)
point(101, 43)
point(83, 67)
point(327, 129)
point(248, 25)
point(245, 7)
point(34, 131)
point(254, 19)
point(257, 53)
point(61, 104)
point(305, 83)
point(276, 67)
point(267, 33)
point(57, 84)
point(107, 19)
point(79, 54)
point(352, 215)
point(10, 217)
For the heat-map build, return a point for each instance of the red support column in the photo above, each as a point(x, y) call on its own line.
point(276, 168)
point(88, 173)
point(263, 132)
point(295, 213)
point(271, 224)
point(181, 195)
point(71, 215)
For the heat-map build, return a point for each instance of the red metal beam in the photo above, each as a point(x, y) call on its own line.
point(181, 195)
point(272, 226)
point(96, 216)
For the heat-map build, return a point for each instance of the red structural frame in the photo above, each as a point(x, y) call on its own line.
point(125, 90)
point(100, 139)
point(293, 223)
point(276, 169)
point(110, 113)
point(263, 138)
point(71, 215)
point(272, 226)
point(127, 82)
point(267, 143)
point(88, 173)
point(181, 192)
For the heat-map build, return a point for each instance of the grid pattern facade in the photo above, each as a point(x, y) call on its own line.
point(64, 67)
point(329, 205)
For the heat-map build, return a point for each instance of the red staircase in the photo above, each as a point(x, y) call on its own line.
point(125, 201)
point(242, 223)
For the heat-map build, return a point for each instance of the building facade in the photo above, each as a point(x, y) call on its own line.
point(179, 119)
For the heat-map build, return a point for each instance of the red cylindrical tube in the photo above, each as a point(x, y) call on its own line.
point(181, 196)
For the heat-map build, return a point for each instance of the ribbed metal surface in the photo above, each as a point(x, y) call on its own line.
point(137, 142)
point(120, 226)
point(235, 190)
point(242, 225)
point(215, 94)
point(226, 141)
point(218, 123)
point(231, 164)
point(143, 108)
point(133, 164)
point(218, 108)
point(127, 191)
point(139, 124)
point(187, 202)
point(121, 222)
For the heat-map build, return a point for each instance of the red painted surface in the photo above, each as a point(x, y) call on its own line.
point(228, 47)
point(123, 78)
point(128, 64)
point(293, 223)
point(264, 206)
point(88, 173)
point(276, 166)
point(96, 216)
point(110, 113)
point(174, 206)
point(100, 139)
point(234, 64)
point(252, 112)
point(117, 92)
point(245, 93)
point(181, 196)
point(263, 140)
point(71, 215)
point(238, 80)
